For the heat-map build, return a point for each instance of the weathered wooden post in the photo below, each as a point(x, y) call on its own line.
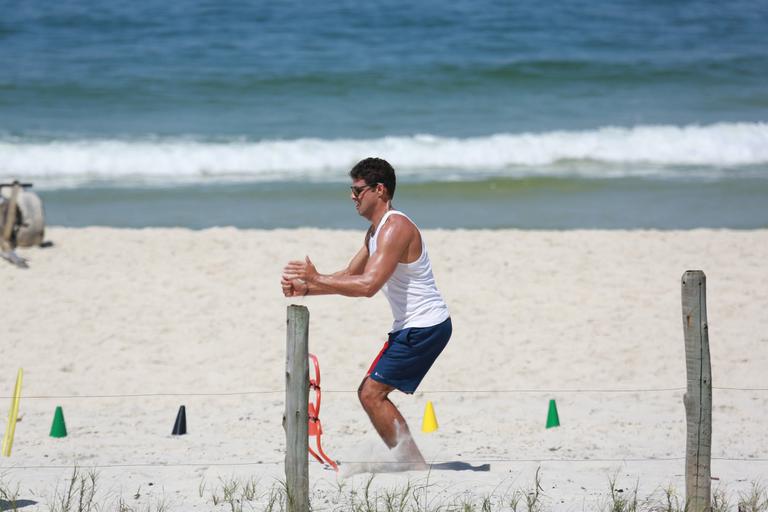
point(295, 419)
point(698, 395)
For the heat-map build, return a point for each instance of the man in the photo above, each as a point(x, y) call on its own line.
point(393, 259)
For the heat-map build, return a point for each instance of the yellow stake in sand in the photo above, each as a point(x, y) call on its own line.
point(12, 416)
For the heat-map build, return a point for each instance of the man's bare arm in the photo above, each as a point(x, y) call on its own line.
point(392, 244)
point(298, 287)
point(356, 265)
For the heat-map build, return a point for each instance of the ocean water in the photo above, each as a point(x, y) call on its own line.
point(580, 114)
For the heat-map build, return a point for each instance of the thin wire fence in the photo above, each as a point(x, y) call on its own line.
point(388, 462)
point(425, 392)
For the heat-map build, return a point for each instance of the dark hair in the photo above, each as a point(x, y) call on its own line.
point(373, 171)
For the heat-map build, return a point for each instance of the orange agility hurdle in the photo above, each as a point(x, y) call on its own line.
point(315, 427)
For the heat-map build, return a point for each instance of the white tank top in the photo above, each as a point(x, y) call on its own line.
point(411, 290)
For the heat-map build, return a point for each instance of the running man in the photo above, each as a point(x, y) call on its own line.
point(393, 259)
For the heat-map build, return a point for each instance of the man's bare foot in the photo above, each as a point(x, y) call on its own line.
point(408, 455)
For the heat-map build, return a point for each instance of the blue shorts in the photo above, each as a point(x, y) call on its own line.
point(409, 354)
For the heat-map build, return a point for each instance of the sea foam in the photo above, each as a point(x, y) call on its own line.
point(607, 151)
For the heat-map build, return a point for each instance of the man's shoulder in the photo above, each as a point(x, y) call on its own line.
point(400, 220)
point(400, 226)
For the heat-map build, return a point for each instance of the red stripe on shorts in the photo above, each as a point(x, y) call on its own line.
point(375, 361)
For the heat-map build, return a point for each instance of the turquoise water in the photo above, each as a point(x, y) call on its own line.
point(576, 114)
point(534, 203)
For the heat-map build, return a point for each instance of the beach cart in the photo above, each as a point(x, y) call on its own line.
point(22, 221)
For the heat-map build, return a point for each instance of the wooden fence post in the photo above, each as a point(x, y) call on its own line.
point(295, 417)
point(698, 395)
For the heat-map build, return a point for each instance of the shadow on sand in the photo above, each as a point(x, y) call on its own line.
point(459, 466)
point(13, 505)
point(349, 469)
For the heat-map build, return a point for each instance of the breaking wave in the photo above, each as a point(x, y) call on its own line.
point(604, 152)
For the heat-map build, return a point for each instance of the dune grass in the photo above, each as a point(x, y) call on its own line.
point(667, 499)
point(237, 496)
point(9, 495)
point(79, 493)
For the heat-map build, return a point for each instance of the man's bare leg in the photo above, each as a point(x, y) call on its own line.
point(388, 421)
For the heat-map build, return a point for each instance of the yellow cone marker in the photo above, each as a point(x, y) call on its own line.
point(12, 416)
point(429, 423)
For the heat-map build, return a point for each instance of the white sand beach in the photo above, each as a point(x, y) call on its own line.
point(121, 327)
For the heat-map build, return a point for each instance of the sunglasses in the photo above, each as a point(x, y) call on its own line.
point(357, 191)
